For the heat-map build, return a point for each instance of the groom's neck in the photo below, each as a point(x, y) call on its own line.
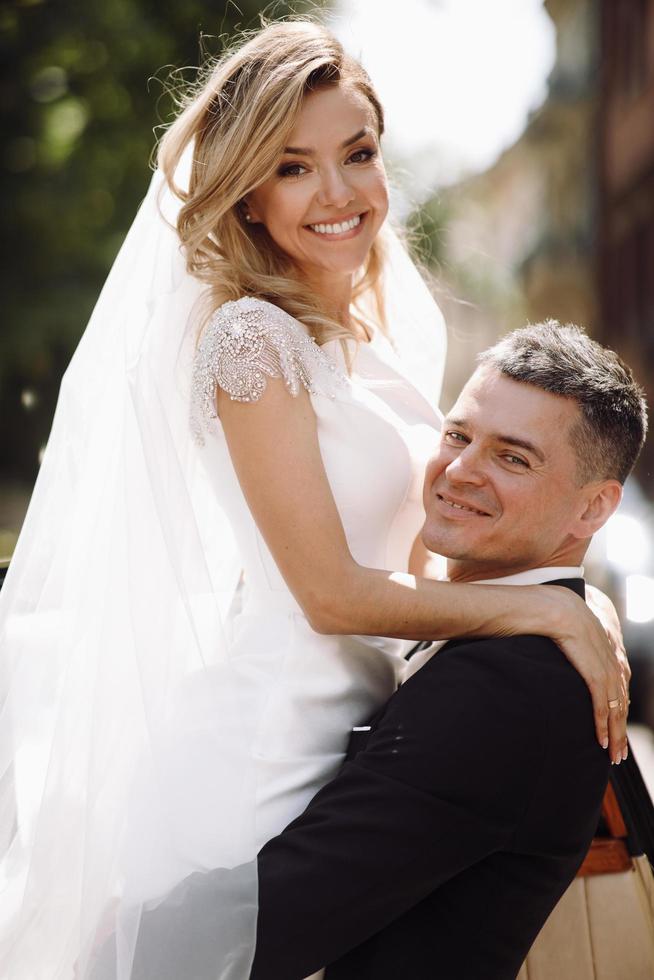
point(471, 571)
point(568, 553)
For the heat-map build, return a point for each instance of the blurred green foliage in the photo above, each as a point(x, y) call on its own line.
point(81, 90)
point(426, 231)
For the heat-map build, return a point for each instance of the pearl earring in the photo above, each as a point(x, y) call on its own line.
point(248, 217)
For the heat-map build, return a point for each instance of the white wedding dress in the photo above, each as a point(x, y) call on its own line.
point(255, 736)
point(376, 433)
point(159, 723)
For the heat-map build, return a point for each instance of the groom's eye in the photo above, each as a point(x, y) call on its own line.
point(515, 460)
point(457, 437)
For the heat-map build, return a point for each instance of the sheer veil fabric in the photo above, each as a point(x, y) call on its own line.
point(125, 728)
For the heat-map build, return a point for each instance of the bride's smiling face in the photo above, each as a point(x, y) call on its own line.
point(329, 196)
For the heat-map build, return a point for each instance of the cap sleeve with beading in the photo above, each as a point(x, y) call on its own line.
point(246, 342)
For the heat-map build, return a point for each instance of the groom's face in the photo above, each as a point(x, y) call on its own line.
point(503, 491)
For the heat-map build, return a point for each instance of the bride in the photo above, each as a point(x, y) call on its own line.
point(220, 570)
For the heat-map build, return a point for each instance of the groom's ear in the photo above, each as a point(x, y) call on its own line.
point(599, 501)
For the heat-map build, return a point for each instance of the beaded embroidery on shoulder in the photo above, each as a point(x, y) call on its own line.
point(246, 342)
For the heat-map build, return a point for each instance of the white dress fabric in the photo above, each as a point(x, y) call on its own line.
point(376, 433)
point(146, 725)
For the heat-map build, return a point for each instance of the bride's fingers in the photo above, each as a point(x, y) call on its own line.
point(618, 733)
point(598, 687)
point(606, 684)
point(597, 658)
point(612, 686)
point(617, 713)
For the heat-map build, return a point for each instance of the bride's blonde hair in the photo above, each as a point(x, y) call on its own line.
point(239, 118)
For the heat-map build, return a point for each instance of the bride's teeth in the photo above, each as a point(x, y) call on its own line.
point(338, 228)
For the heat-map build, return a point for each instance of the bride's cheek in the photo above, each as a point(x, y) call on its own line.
point(380, 196)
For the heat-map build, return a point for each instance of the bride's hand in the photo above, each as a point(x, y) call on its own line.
point(596, 650)
point(605, 611)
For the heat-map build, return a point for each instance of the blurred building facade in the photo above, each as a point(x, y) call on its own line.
point(626, 193)
point(520, 237)
point(625, 279)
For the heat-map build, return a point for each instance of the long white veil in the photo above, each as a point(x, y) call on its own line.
point(124, 725)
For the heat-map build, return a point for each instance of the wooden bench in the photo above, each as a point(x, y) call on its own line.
point(603, 926)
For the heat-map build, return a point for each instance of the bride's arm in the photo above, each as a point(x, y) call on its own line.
point(274, 447)
point(424, 562)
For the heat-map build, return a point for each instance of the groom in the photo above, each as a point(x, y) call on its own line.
point(443, 844)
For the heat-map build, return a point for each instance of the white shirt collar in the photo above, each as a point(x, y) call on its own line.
point(533, 576)
point(536, 576)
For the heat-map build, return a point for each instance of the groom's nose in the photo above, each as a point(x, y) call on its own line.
point(466, 467)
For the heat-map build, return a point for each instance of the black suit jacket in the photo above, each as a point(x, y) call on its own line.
point(441, 847)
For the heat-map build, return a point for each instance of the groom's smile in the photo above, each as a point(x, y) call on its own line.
point(461, 509)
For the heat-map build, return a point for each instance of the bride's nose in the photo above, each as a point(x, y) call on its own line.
point(335, 189)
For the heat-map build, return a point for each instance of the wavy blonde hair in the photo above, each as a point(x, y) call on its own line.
point(239, 117)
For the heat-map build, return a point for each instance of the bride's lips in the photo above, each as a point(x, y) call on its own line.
point(342, 235)
point(456, 508)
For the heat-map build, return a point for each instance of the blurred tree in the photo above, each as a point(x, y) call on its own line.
point(81, 90)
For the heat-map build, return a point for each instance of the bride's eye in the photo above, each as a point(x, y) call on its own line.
point(292, 170)
point(362, 156)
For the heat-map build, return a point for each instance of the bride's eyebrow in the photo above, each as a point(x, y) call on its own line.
point(304, 151)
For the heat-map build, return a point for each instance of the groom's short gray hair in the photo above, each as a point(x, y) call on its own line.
point(565, 361)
